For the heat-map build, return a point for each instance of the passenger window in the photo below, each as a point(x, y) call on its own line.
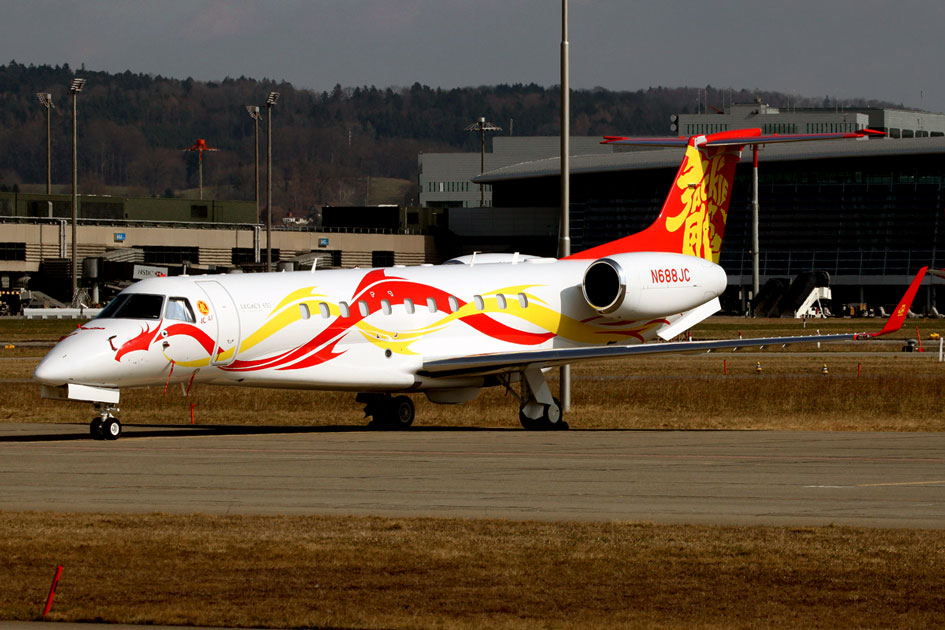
point(385, 306)
point(178, 308)
point(408, 306)
point(480, 303)
point(454, 304)
point(522, 300)
point(303, 309)
point(324, 310)
point(343, 307)
point(363, 307)
point(431, 304)
point(500, 300)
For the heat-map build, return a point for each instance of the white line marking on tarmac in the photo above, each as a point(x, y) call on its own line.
point(902, 483)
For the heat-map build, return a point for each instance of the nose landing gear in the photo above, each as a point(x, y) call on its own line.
point(105, 426)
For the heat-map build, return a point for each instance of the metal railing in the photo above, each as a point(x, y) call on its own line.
point(837, 263)
point(217, 226)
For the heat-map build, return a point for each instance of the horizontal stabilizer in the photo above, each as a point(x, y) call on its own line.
point(739, 137)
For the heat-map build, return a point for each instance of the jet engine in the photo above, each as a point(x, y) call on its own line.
point(645, 285)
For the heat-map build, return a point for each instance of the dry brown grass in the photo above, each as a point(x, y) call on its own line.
point(895, 391)
point(445, 573)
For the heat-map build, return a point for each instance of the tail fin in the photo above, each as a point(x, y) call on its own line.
point(692, 220)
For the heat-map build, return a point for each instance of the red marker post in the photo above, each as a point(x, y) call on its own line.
point(52, 591)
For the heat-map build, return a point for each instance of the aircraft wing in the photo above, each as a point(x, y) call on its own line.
point(481, 364)
point(497, 363)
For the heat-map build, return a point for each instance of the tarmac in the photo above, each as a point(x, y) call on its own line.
point(894, 480)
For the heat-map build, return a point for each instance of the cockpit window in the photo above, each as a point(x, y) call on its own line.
point(179, 308)
point(134, 306)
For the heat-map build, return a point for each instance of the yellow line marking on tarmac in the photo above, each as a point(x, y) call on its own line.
point(902, 483)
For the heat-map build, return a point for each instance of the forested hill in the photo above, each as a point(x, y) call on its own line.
point(133, 127)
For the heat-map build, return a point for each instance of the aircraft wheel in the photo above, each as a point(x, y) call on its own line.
point(550, 419)
point(96, 429)
point(402, 412)
point(529, 424)
point(111, 429)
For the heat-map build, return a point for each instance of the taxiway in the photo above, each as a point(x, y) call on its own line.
point(708, 477)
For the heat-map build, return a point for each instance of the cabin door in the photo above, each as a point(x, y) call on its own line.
point(227, 319)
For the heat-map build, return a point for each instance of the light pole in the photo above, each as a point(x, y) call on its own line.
point(482, 127)
point(46, 99)
point(564, 238)
point(270, 101)
point(254, 113)
point(755, 248)
point(74, 89)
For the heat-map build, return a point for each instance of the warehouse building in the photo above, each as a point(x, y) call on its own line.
point(131, 237)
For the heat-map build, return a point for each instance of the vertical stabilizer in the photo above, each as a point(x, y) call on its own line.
point(692, 220)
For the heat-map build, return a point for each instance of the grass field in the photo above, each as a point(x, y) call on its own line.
point(868, 386)
point(452, 573)
point(347, 572)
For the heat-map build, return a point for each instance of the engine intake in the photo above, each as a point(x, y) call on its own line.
point(642, 285)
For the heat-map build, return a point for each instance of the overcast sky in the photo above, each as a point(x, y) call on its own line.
point(893, 51)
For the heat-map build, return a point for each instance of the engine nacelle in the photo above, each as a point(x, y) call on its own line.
point(646, 285)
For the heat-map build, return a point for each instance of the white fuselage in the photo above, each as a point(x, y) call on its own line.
point(362, 329)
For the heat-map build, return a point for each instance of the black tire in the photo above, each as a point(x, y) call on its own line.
point(401, 412)
point(528, 424)
point(95, 428)
point(111, 429)
point(544, 422)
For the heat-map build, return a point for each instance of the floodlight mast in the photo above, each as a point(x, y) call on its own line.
point(270, 101)
point(564, 238)
point(482, 127)
point(45, 98)
point(254, 113)
point(74, 89)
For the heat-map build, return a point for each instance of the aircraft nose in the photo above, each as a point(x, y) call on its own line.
point(52, 370)
point(74, 359)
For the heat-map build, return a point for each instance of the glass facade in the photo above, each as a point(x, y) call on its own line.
point(862, 218)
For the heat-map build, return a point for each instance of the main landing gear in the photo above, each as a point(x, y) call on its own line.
point(386, 411)
point(539, 410)
point(105, 426)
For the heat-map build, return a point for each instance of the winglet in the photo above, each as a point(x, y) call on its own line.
point(895, 320)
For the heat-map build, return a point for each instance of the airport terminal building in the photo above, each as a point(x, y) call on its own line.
point(868, 212)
